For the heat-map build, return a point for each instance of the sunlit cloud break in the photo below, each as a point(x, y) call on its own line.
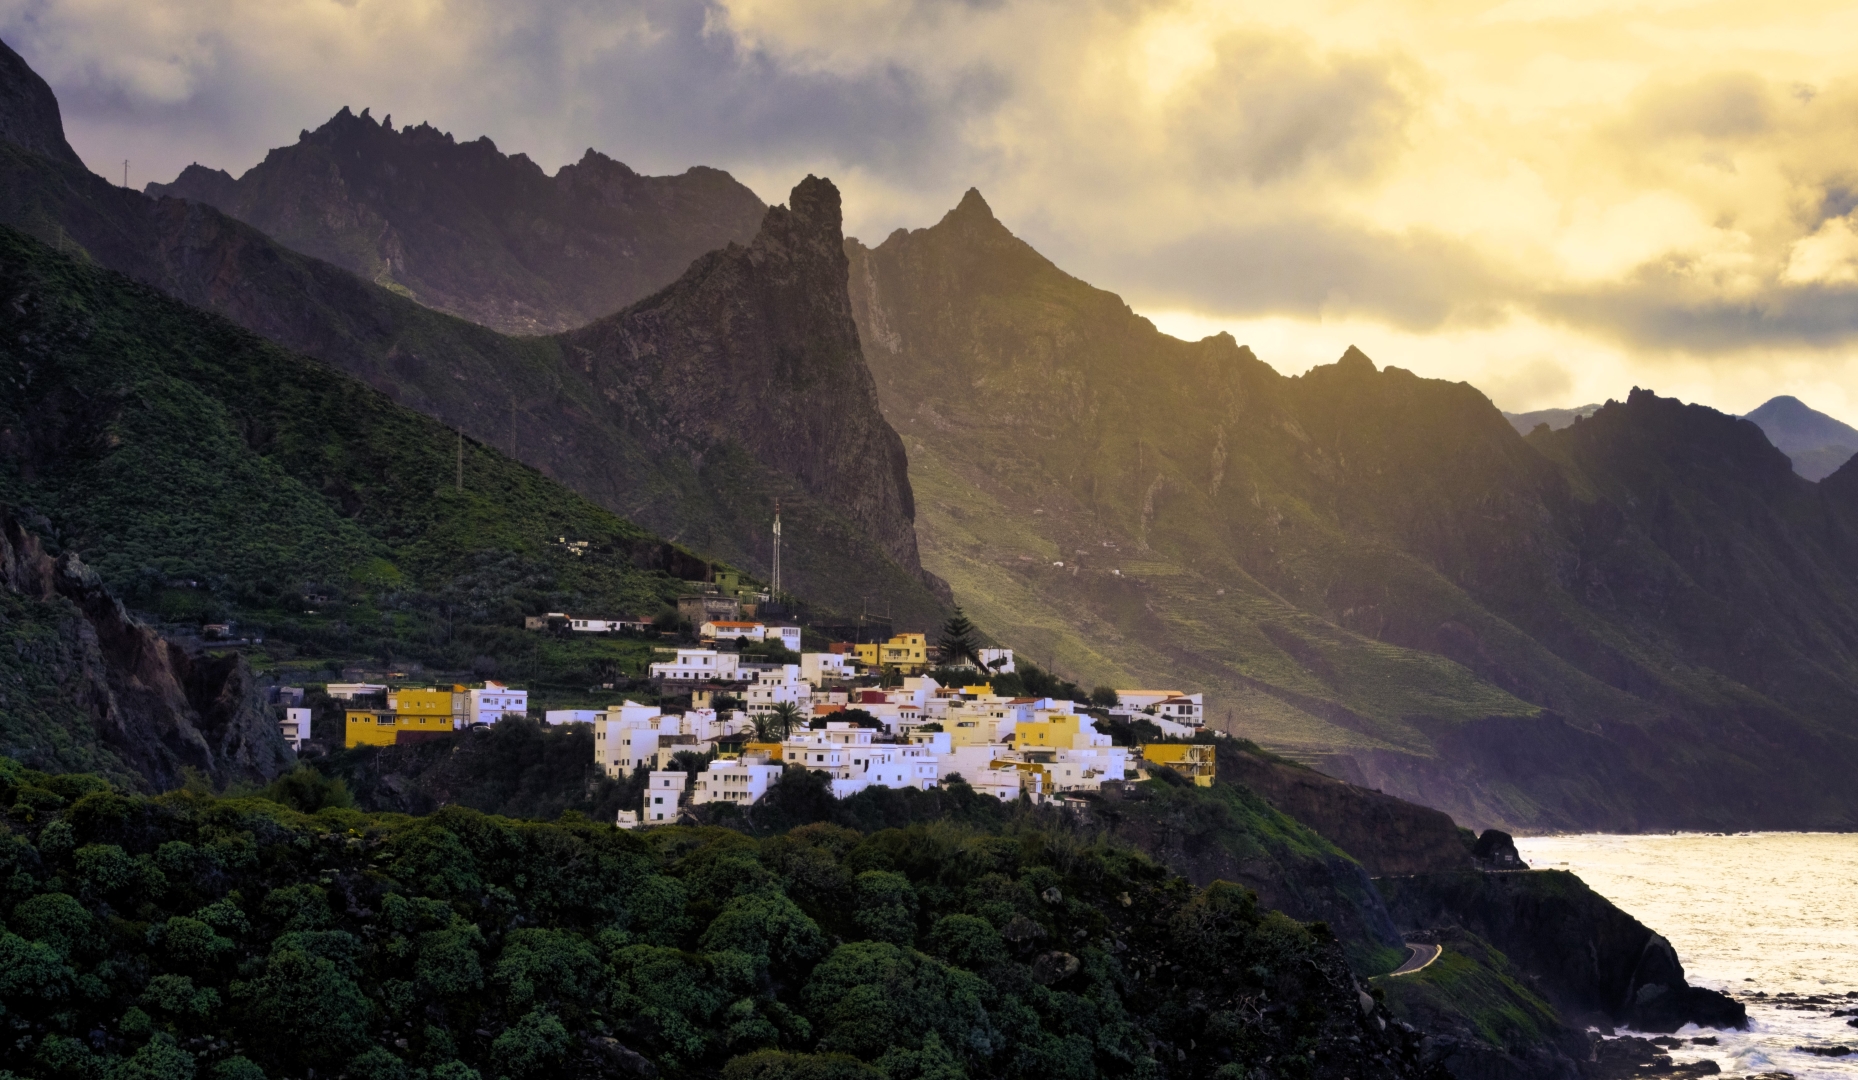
point(1553, 201)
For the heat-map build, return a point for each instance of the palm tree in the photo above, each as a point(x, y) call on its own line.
point(785, 716)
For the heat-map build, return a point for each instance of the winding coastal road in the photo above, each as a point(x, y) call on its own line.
point(1419, 956)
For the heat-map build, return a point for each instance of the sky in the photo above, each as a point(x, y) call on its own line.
point(1555, 200)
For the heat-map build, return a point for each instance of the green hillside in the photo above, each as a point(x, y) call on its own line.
point(694, 412)
point(207, 475)
point(1641, 621)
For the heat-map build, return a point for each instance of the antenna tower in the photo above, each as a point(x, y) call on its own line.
point(776, 586)
point(125, 172)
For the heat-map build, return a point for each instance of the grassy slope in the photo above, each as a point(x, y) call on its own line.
point(170, 447)
point(521, 395)
point(1358, 563)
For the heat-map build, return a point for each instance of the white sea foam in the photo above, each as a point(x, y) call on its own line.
point(1775, 913)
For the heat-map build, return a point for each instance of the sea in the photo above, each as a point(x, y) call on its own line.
point(1770, 918)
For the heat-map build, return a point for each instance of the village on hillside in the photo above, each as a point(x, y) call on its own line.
point(746, 700)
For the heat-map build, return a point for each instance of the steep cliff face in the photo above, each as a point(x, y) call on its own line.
point(29, 115)
point(709, 482)
point(122, 698)
point(465, 229)
point(1594, 962)
point(1641, 621)
point(757, 345)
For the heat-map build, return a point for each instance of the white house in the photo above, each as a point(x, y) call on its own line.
point(1184, 709)
point(788, 635)
point(1132, 702)
point(573, 716)
point(736, 780)
point(849, 756)
point(997, 661)
point(295, 727)
point(662, 795)
point(349, 691)
point(697, 665)
point(626, 737)
point(493, 701)
point(782, 685)
point(606, 626)
point(729, 630)
point(820, 668)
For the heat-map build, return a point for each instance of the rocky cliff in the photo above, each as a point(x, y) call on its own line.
point(465, 229)
point(29, 116)
point(708, 481)
point(88, 686)
point(756, 345)
point(1643, 620)
point(1594, 962)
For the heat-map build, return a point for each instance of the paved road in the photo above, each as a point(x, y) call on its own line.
point(1420, 956)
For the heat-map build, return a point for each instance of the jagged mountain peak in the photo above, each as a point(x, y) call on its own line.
point(972, 216)
point(1646, 427)
point(1354, 360)
point(816, 201)
point(972, 205)
point(464, 228)
point(29, 115)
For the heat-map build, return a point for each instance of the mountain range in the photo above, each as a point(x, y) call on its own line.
point(673, 431)
point(1641, 620)
point(1815, 443)
point(466, 230)
point(1644, 620)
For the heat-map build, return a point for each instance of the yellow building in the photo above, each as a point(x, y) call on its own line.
point(418, 701)
point(866, 654)
point(771, 749)
point(412, 713)
point(1057, 731)
point(908, 653)
point(1192, 760)
point(370, 727)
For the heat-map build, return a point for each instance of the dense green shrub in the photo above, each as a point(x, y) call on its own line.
point(193, 937)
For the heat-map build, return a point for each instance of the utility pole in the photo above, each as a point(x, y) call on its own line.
point(461, 461)
point(125, 172)
point(776, 588)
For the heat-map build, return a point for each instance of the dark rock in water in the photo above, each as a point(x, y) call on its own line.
point(1496, 850)
point(1630, 1058)
point(1828, 1051)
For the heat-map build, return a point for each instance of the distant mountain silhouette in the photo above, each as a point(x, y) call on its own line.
point(1817, 443)
point(1556, 419)
point(466, 229)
